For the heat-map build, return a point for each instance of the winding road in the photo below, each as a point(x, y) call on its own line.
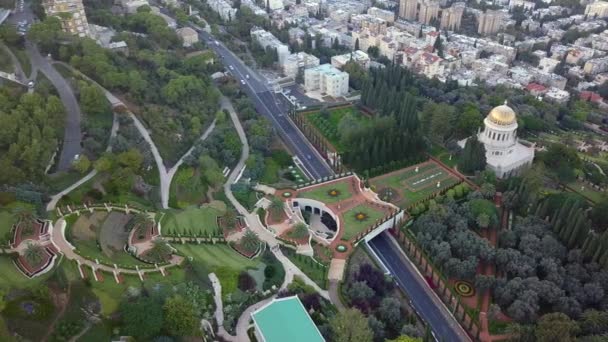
point(72, 134)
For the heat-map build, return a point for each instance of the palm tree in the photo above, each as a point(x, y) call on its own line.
point(140, 223)
point(159, 252)
point(276, 207)
point(33, 254)
point(488, 190)
point(299, 231)
point(250, 242)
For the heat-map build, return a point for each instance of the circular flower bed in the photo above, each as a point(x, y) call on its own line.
point(464, 288)
point(287, 194)
point(341, 248)
point(361, 216)
point(333, 192)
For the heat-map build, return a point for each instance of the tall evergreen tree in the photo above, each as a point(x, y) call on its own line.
point(473, 156)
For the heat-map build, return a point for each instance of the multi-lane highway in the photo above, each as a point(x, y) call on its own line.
point(267, 103)
point(427, 304)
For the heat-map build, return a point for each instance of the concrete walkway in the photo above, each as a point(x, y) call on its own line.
point(256, 226)
point(166, 175)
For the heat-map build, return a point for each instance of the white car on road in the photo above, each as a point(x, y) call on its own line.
point(243, 82)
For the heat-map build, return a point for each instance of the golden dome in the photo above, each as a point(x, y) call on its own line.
point(502, 115)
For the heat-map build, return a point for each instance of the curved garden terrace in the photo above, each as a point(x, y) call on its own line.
point(338, 211)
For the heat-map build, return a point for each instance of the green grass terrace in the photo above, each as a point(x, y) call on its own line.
point(413, 184)
point(328, 193)
point(192, 221)
point(359, 218)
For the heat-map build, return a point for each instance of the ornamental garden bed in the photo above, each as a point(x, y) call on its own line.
point(359, 218)
point(328, 193)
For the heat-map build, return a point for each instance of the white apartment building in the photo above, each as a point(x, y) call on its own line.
point(72, 15)
point(267, 39)
point(547, 64)
point(223, 8)
point(275, 4)
point(299, 61)
point(597, 9)
point(388, 16)
point(326, 79)
point(356, 56)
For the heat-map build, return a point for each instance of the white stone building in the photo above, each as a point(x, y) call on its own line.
point(268, 40)
point(223, 8)
point(356, 56)
point(296, 61)
point(505, 155)
point(327, 80)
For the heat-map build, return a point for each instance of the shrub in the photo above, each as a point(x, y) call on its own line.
point(246, 281)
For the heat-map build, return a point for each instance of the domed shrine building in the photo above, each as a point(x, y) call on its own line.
point(505, 155)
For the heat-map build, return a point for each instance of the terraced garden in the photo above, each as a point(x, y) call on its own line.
point(328, 193)
point(359, 218)
point(102, 236)
point(413, 184)
point(221, 260)
point(192, 221)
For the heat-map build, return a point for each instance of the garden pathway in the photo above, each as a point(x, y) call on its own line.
point(253, 220)
point(166, 175)
point(256, 226)
point(491, 234)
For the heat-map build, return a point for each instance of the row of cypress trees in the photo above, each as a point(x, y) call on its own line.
point(395, 134)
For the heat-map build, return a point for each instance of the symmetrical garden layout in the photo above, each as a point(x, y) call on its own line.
point(338, 212)
point(416, 183)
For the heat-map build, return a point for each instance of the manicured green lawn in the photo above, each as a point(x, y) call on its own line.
point(6, 222)
point(353, 226)
point(312, 269)
point(444, 155)
point(221, 260)
point(411, 197)
point(322, 193)
point(271, 171)
point(413, 186)
point(328, 126)
point(11, 277)
point(429, 179)
point(586, 190)
point(192, 221)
